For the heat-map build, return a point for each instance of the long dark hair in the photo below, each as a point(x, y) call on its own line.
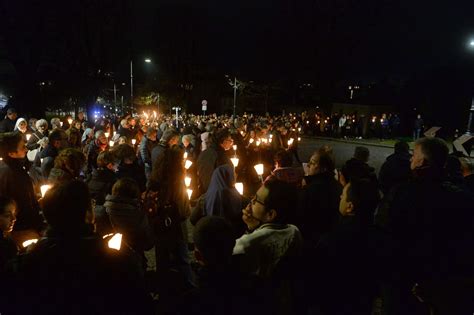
point(168, 174)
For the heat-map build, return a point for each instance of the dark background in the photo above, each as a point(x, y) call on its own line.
point(291, 54)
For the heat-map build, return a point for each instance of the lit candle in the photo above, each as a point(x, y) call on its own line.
point(28, 136)
point(271, 136)
point(240, 188)
point(185, 155)
point(116, 241)
point(234, 147)
point(187, 164)
point(61, 123)
point(111, 143)
point(235, 161)
point(44, 189)
point(190, 193)
point(319, 122)
point(115, 132)
point(270, 140)
point(41, 160)
point(106, 134)
point(69, 121)
point(257, 143)
point(154, 114)
point(251, 140)
point(29, 242)
point(290, 142)
point(134, 141)
point(299, 129)
point(259, 169)
point(299, 139)
point(187, 181)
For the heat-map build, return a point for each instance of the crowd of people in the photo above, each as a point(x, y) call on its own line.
point(237, 223)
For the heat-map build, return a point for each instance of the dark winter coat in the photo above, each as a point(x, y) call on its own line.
point(395, 170)
point(7, 125)
point(318, 206)
point(15, 183)
point(207, 162)
point(133, 171)
point(70, 268)
point(146, 147)
point(127, 218)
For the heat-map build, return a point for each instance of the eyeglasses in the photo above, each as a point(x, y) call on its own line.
point(254, 200)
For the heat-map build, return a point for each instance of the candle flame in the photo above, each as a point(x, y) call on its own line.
point(116, 241)
point(187, 181)
point(185, 155)
point(111, 143)
point(187, 164)
point(190, 193)
point(134, 141)
point(29, 242)
point(44, 189)
point(234, 147)
point(259, 169)
point(28, 136)
point(251, 140)
point(240, 188)
point(235, 161)
point(106, 134)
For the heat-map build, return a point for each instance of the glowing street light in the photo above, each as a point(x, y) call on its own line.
point(148, 60)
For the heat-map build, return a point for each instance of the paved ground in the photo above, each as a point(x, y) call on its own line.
point(344, 150)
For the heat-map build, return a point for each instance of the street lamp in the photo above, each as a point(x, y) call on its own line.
point(235, 85)
point(147, 60)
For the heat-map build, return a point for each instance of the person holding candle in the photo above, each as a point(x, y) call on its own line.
point(40, 133)
point(8, 248)
point(100, 185)
point(128, 218)
point(213, 157)
point(72, 263)
point(21, 127)
point(15, 183)
point(8, 124)
point(169, 217)
point(147, 145)
point(284, 171)
point(95, 147)
point(128, 165)
point(221, 199)
point(170, 138)
point(67, 166)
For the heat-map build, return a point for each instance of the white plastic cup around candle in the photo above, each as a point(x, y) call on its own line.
point(115, 132)
point(28, 136)
point(29, 242)
point(234, 147)
point(106, 134)
point(111, 143)
point(185, 155)
point(134, 141)
point(235, 161)
point(271, 136)
point(257, 143)
point(259, 169)
point(251, 140)
point(190, 193)
point(240, 188)
point(299, 139)
point(187, 181)
point(69, 121)
point(61, 123)
point(187, 164)
point(116, 241)
point(44, 189)
point(270, 140)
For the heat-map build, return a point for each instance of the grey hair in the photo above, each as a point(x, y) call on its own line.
point(55, 122)
point(189, 138)
point(41, 123)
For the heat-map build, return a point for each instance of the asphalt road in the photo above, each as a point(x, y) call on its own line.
point(343, 151)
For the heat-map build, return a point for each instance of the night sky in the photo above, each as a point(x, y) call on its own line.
point(338, 41)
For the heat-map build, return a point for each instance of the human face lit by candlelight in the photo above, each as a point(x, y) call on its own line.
point(20, 152)
point(8, 218)
point(227, 143)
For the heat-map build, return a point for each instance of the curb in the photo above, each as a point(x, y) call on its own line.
point(362, 142)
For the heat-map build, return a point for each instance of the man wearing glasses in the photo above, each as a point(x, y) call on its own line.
point(270, 238)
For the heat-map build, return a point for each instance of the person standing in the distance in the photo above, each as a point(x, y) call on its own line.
point(8, 124)
point(418, 127)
